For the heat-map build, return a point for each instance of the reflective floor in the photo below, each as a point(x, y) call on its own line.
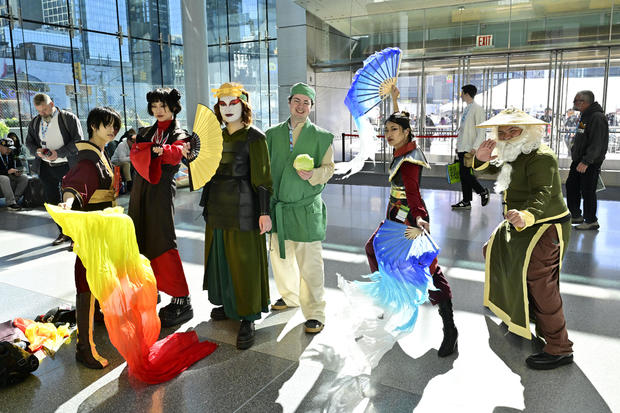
point(287, 370)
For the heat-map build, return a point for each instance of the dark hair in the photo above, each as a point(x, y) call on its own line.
point(471, 90)
point(402, 120)
point(169, 97)
point(246, 112)
point(587, 95)
point(128, 134)
point(311, 101)
point(16, 140)
point(102, 115)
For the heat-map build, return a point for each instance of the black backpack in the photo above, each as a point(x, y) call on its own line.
point(15, 364)
point(34, 195)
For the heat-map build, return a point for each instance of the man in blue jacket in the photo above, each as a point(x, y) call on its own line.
point(588, 150)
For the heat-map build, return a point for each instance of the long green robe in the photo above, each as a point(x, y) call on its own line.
point(536, 190)
point(236, 273)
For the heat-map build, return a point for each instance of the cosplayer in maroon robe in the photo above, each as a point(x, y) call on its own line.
point(156, 157)
point(89, 186)
point(406, 206)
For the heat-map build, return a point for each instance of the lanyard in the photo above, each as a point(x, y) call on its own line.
point(5, 161)
point(290, 138)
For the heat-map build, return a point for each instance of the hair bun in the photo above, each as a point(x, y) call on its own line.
point(404, 113)
point(175, 94)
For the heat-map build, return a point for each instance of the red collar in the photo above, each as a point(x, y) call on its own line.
point(164, 125)
point(403, 150)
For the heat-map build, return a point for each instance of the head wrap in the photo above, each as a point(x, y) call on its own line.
point(231, 89)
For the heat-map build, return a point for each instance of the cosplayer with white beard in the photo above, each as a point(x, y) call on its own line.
point(508, 150)
point(524, 253)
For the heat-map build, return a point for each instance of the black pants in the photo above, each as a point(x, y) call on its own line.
point(468, 180)
point(582, 185)
point(51, 177)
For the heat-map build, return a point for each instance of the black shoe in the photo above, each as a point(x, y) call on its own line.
point(462, 205)
point(546, 361)
point(313, 326)
point(279, 305)
point(60, 239)
point(484, 197)
point(14, 207)
point(245, 338)
point(218, 314)
point(178, 311)
point(158, 297)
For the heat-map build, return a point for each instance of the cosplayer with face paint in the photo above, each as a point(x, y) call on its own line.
point(89, 186)
point(524, 253)
point(156, 157)
point(407, 207)
point(236, 211)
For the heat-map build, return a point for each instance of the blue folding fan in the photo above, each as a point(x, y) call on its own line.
point(373, 82)
point(401, 285)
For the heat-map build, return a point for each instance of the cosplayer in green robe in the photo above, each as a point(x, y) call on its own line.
point(524, 253)
point(236, 210)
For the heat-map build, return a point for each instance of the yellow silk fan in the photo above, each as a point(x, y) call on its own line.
point(206, 147)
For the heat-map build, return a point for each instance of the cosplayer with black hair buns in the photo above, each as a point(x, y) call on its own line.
point(156, 157)
point(89, 186)
point(407, 207)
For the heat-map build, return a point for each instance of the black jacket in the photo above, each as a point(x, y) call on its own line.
point(9, 161)
point(592, 137)
point(71, 132)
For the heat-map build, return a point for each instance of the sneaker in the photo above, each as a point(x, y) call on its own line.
point(279, 305)
point(588, 226)
point(60, 239)
point(178, 311)
point(313, 326)
point(485, 197)
point(577, 220)
point(14, 207)
point(462, 205)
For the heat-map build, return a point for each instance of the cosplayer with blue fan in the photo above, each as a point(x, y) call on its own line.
point(401, 254)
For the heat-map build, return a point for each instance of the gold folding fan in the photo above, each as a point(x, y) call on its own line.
point(206, 147)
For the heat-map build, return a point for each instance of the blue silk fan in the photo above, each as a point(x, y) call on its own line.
point(401, 285)
point(373, 82)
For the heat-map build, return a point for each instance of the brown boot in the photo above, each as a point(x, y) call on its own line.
point(86, 351)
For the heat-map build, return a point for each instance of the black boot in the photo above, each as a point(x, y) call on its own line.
point(449, 343)
point(178, 311)
point(86, 351)
point(245, 338)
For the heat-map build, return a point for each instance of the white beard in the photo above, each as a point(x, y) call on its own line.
point(508, 151)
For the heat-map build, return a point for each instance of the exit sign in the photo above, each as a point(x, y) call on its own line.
point(484, 40)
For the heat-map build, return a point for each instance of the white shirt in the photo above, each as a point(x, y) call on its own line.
point(121, 153)
point(471, 137)
point(50, 135)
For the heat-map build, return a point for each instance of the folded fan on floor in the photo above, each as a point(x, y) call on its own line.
point(205, 147)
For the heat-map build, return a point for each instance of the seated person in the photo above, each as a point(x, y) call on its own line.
point(20, 152)
point(12, 182)
point(121, 156)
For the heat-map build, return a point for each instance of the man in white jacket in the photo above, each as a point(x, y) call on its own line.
point(467, 143)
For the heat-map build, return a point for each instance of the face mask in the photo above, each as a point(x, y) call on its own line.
point(230, 108)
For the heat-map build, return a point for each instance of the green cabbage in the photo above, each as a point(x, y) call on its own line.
point(303, 162)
